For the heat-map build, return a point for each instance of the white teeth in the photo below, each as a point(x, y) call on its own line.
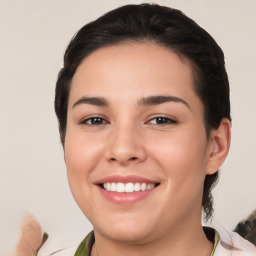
point(143, 186)
point(127, 187)
point(107, 186)
point(136, 187)
point(113, 186)
point(120, 187)
point(148, 187)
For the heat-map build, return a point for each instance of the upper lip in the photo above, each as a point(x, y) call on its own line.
point(125, 179)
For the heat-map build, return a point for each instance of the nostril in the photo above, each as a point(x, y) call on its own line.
point(123, 159)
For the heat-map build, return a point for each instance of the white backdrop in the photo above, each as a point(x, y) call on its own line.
point(33, 37)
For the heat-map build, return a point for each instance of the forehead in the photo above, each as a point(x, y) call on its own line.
point(144, 68)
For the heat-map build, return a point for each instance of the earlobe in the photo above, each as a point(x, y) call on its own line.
point(219, 146)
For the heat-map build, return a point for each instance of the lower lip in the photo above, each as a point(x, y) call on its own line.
point(125, 198)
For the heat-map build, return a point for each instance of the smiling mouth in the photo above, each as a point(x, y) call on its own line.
point(129, 187)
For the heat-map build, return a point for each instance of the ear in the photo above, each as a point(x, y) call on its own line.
point(219, 144)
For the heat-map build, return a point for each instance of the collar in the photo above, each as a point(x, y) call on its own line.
point(85, 247)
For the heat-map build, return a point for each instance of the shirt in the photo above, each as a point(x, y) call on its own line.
point(234, 246)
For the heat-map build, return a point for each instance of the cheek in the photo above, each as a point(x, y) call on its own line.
point(183, 158)
point(80, 152)
point(81, 157)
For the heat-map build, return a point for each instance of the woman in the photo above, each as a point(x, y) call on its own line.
point(144, 118)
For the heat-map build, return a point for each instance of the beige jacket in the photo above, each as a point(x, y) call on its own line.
point(234, 245)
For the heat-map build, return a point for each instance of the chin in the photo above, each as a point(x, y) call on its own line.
point(128, 231)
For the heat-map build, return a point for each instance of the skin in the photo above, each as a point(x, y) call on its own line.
point(129, 141)
point(31, 237)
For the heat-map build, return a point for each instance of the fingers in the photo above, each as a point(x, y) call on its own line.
point(31, 237)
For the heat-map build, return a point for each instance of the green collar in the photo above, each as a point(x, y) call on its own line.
point(85, 248)
point(213, 236)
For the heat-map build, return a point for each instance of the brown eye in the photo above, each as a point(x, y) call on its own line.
point(162, 121)
point(94, 121)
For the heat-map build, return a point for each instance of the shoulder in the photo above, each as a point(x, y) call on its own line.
point(233, 244)
point(69, 251)
point(55, 248)
point(51, 247)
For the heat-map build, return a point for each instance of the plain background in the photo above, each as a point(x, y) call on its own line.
point(33, 37)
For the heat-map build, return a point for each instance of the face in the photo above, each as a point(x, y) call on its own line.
point(136, 149)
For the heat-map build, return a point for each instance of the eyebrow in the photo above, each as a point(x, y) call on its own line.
point(96, 101)
point(145, 101)
point(159, 99)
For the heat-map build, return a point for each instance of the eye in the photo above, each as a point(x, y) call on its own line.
point(160, 120)
point(96, 120)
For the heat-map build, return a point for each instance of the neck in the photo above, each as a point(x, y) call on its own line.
point(186, 240)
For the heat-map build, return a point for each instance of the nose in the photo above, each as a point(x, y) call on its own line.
point(126, 146)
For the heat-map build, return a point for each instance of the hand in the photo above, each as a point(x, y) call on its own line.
point(31, 237)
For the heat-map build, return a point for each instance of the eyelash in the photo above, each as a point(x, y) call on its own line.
point(160, 120)
point(92, 119)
